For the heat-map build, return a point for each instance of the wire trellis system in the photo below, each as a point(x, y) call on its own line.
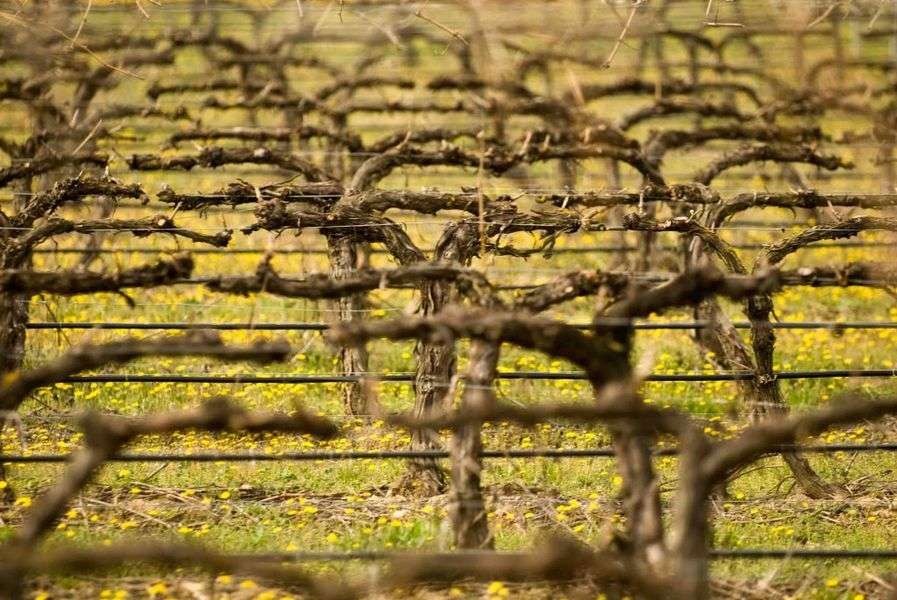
point(531, 223)
point(836, 326)
point(645, 277)
point(510, 375)
point(510, 453)
point(715, 553)
point(323, 251)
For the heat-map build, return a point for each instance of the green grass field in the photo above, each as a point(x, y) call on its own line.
point(352, 505)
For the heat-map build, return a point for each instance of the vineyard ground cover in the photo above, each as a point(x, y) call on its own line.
point(344, 499)
point(348, 506)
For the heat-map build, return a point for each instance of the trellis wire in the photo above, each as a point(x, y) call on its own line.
point(510, 453)
point(642, 277)
point(715, 553)
point(836, 326)
point(323, 251)
point(510, 375)
point(206, 307)
point(525, 223)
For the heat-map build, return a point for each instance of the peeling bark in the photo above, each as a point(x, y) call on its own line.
point(436, 359)
point(467, 509)
point(343, 254)
point(729, 351)
point(13, 317)
point(768, 400)
point(773, 152)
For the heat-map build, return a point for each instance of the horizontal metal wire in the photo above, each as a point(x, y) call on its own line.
point(409, 377)
point(182, 326)
point(645, 277)
point(804, 553)
point(126, 8)
point(515, 453)
point(323, 251)
point(312, 456)
point(715, 553)
point(836, 326)
point(419, 222)
point(249, 307)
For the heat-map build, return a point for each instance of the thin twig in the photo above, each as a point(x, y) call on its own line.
point(823, 16)
point(87, 139)
point(26, 25)
point(419, 14)
point(722, 24)
point(625, 30)
point(142, 10)
point(390, 35)
point(81, 24)
point(877, 14)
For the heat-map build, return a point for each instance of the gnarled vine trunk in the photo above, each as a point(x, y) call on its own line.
point(13, 317)
point(768, 398)
point(763, 395)
point(435, 367)
point(343, 254)
point(467, 509)
point(632, 447)
point(436, 362)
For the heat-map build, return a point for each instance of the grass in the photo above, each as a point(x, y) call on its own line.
point(346, 505)
point(342, 506)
